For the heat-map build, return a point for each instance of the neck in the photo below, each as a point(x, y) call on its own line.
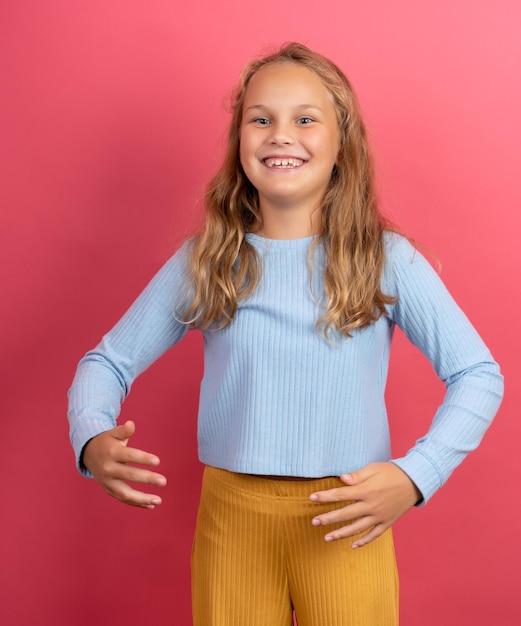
point(288, 223)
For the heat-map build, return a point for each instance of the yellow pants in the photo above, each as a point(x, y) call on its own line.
point(256, 558)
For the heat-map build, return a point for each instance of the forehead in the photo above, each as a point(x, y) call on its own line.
point(287, 83)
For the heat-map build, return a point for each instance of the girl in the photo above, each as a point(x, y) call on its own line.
point(296, 283)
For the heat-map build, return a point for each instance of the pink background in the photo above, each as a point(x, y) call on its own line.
point(112, 120)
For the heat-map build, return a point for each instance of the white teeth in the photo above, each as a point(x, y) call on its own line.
point(283, 163)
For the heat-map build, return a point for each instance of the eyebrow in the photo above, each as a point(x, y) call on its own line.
point(300, 107)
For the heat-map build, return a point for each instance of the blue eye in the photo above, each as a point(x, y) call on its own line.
point(305, 120)
point(262, 121)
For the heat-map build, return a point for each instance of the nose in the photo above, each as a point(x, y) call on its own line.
point(281, 134)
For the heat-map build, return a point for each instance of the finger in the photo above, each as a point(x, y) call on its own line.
point(373, 534)
point(360, 475)
point(136, 475)
point(126, 494)
point(338, 494)
point(124, 431)
point(134, 455)
point(347, 513)
point(363, 525)
point(349, 479)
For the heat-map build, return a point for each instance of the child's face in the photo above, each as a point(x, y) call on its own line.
point(289, 137)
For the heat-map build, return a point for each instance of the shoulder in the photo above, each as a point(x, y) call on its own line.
point(398, 248)
point(399, 253)
point(405, 264)
point(180, 260)
point(402, 251)
point(173, 276)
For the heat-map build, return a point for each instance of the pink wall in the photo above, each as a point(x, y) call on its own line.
point(112, 120)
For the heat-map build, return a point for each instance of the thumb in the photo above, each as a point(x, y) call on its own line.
point(124, 432)
point(356, 477)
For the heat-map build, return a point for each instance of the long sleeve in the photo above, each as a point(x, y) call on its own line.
point(105, 375)
point(433, 322)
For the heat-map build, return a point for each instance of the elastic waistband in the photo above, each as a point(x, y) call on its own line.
point(274, 486)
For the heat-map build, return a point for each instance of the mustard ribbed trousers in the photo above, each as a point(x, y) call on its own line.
point(256, 558)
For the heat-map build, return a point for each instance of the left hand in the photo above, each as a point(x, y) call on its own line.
point(378, 494)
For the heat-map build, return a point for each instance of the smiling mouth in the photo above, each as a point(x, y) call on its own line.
point(283, 163)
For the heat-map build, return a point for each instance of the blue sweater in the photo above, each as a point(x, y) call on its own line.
point(276, 398)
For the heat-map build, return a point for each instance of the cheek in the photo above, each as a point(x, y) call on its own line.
point(242, 151)
point(248, 154)
point(244, 147)
point(245, 160)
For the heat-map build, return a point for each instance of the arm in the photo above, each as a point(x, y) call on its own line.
point(432, 321)
point(104, 378)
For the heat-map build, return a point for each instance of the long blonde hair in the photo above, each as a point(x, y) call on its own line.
point(225, 267)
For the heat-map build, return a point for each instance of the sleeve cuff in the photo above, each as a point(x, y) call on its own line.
point(423, 472)
point(82, 434)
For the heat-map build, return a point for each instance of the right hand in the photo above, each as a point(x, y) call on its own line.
point(107, 457)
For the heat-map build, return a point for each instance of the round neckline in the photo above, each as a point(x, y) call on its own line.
point(293, 244)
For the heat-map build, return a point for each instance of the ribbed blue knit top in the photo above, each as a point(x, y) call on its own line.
point(276, 398)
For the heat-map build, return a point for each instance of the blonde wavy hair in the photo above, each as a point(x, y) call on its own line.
point(225, 267)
